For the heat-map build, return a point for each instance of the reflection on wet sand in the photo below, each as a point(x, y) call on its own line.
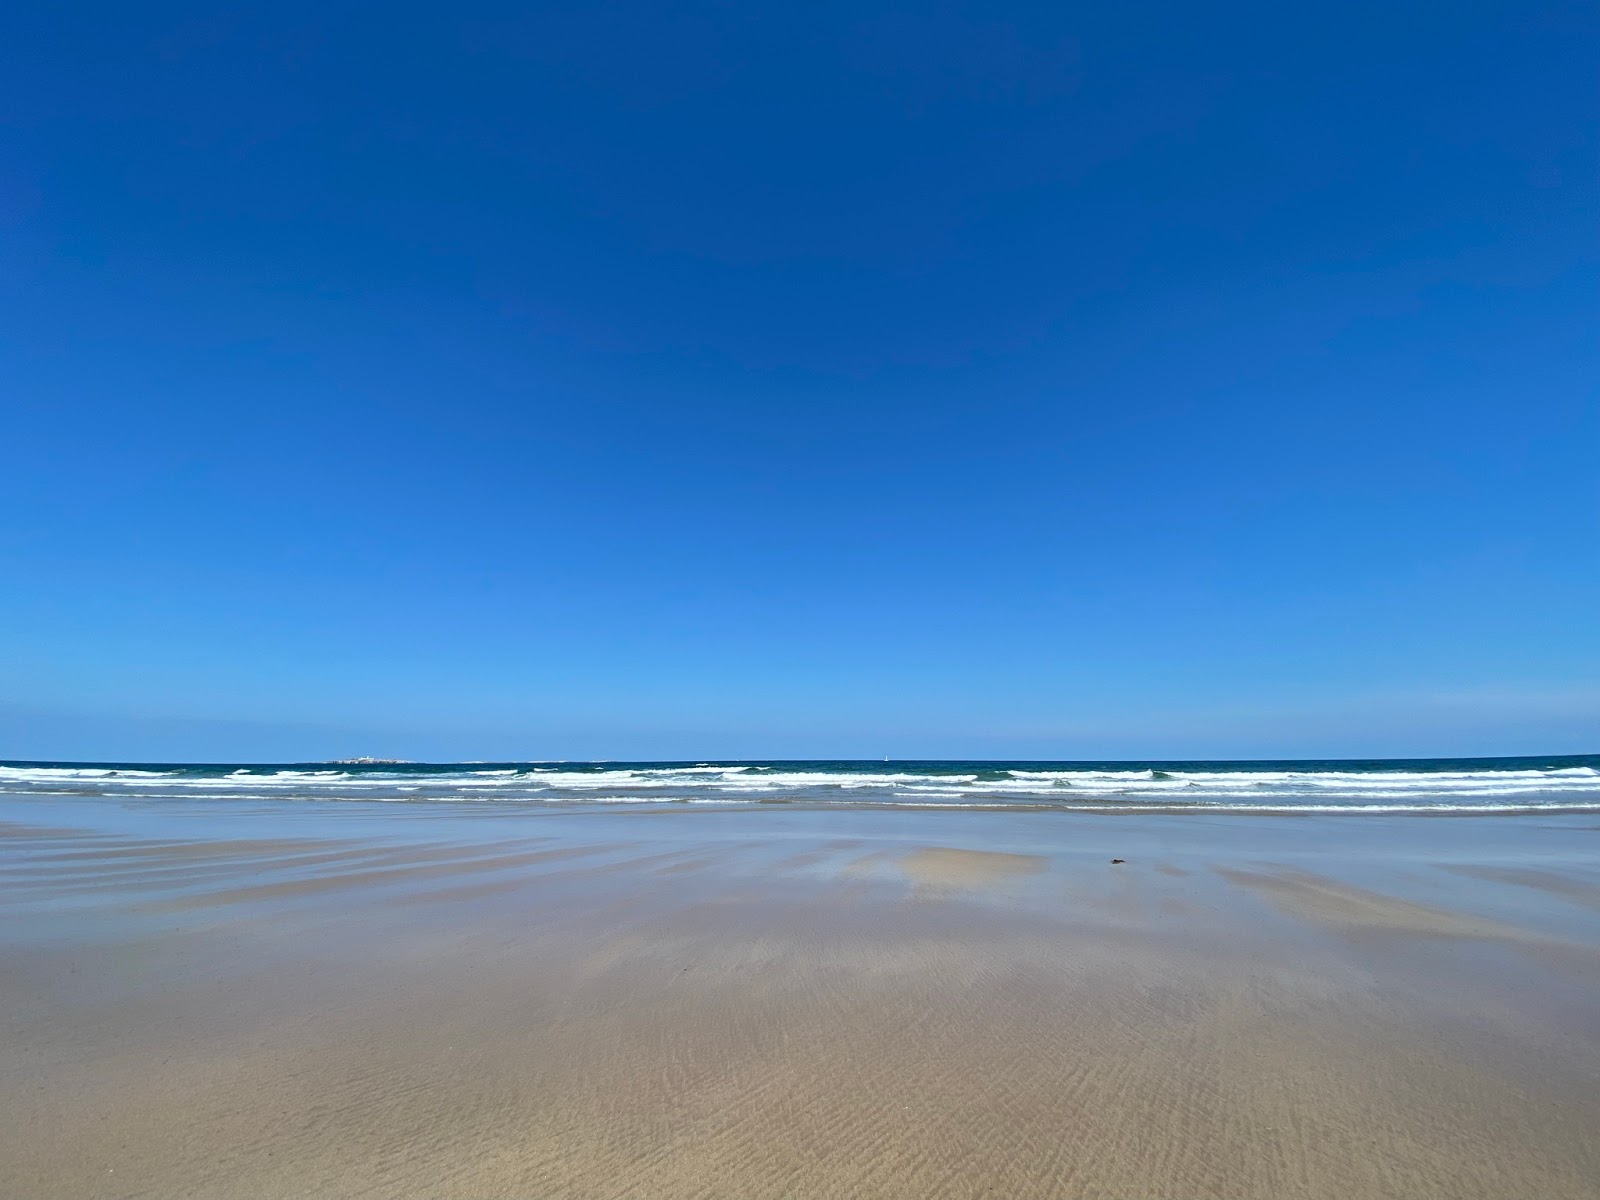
point(748, 1006)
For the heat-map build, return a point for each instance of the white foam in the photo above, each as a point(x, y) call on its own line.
point(1241, 789)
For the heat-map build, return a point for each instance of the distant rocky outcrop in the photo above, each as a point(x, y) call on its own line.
point(364, 761)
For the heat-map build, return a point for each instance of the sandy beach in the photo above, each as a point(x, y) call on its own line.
point(772, 1003)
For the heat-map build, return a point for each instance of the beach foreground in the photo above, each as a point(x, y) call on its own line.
point(417, 1001)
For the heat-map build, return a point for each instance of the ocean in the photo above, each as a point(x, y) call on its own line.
point(1475, 785)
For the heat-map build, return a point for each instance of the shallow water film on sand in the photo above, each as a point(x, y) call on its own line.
point(216, 987)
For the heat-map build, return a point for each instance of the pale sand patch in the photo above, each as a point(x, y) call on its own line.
point(1319, 898)
point(867, 866)
point(1567, 888)
point(948, 867)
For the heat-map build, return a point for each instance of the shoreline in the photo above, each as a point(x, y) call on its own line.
point(1459, 785)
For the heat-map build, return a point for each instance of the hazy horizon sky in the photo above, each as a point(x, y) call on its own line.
point(696, 381)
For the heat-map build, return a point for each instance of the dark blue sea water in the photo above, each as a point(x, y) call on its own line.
point(1396, 785)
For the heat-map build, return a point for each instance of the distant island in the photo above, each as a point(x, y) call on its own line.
point(364, 761)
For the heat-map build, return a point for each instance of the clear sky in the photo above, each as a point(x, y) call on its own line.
point(686, 380)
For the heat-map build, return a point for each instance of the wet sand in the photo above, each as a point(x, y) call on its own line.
point(398, 1002)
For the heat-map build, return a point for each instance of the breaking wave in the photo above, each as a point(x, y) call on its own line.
point(1478, 785)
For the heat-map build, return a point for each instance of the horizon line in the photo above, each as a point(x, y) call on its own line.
point(364, 761)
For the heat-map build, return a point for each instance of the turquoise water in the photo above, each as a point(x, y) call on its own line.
point(1334, 785)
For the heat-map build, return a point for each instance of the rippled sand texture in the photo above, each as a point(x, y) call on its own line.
point(720, 1005)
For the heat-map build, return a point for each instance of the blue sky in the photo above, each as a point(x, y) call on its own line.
point(623, 380)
